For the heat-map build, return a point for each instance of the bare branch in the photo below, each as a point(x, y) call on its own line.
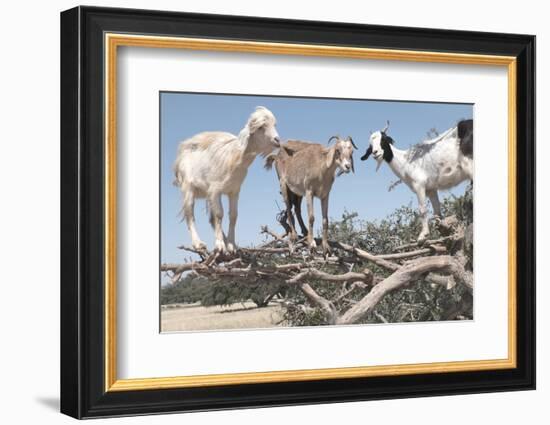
point(366, 276)
point(266, 230)
point(380, 317)
point(180, 268)
point(394, 184)
point(201, 252)
point(323, 303)
point(365, 255)
point(346, 292)
point(407, 274)
point(433, 249)
point(427, 243)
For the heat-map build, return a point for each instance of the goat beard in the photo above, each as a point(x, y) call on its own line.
point(339, 172)
point(379, 163)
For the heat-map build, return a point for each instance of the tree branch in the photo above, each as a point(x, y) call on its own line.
point(327, 307)
point(366, 276)
point(433, 249)
point(408, 273)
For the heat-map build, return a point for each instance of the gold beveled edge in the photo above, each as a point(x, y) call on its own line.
point(306, 375)
point(110, 213)
point(512, 212)
point(303, 49)
point(112, 41)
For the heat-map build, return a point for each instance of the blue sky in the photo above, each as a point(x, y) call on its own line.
point(313, 119)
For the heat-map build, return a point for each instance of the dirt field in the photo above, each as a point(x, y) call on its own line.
point(235, 316)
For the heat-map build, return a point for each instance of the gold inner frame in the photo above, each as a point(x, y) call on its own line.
point(113, 41)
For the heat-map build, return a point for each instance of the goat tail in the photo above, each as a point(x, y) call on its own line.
point(178, 177)
point(179, 174)
point(269, 160)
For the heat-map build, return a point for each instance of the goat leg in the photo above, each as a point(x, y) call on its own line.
point(421, 194)
point(285, 191)
point(311, 219)
point(282, 219)
point(326, 247)
point(297, 201)
point(233, 212)
point(216, 217)
point(189, 215)
point(434, 200)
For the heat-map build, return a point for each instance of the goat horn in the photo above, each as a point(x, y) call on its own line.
point(333, 137)
point(351, 140)
point(386, 127)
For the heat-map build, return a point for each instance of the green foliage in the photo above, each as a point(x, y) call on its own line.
point(189, 289)
point(460, 206)
point(225, 292)
point(193, 288)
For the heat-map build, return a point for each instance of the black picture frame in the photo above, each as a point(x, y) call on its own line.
point(83, 392)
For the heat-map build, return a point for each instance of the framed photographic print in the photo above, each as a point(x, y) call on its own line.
point(261, 212)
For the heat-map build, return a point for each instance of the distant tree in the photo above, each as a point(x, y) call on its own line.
point(194, 288)
point(226, 292)
point(189, 289)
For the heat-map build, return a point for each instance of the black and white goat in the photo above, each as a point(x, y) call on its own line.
point(436, 164)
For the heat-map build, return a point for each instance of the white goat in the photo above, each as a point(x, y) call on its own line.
point(427, 167)
point(213, 163)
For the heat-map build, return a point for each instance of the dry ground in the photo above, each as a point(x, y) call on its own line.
point(194, 317)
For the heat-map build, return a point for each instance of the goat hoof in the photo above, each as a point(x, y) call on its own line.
point(219, 246)
point(291, 248)
point(327, 251)
point(231, 248)
point(312, 244)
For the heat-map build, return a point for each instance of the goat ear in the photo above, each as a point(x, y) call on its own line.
point(367, 154)
point(253, 125)
point(331, 154)
point(288, 150)
point(386, 148)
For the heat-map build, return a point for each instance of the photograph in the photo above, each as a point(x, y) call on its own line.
point(280, 211)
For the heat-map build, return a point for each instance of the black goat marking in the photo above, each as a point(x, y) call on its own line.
point(465, 132)
point(295, 201)
point(385, 144)
point(420, 150)
point(367, 153)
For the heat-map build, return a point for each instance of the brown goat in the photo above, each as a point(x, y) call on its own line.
point(295, 201)
point(308, 169)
